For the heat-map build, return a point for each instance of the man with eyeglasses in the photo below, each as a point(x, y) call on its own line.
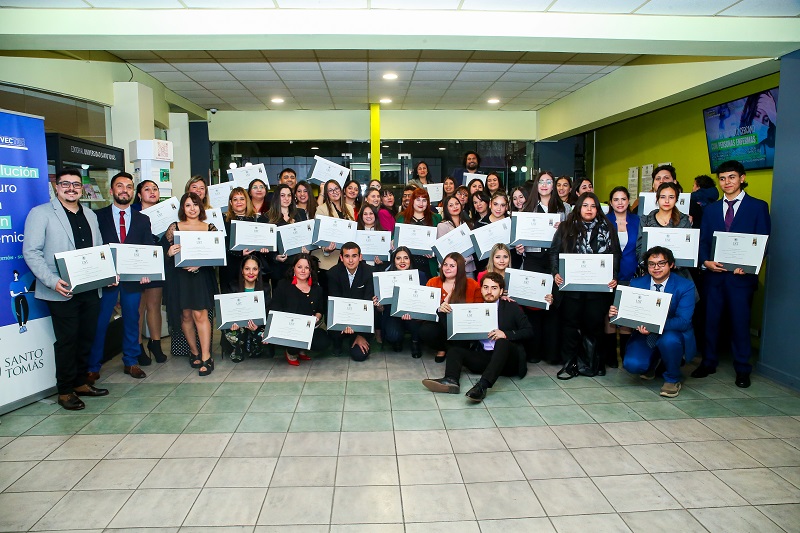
point(730, 290)
point(59, 226)
point(677, 341)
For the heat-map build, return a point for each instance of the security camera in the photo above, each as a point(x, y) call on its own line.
point(213, 110)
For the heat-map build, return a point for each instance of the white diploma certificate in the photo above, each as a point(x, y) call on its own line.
point(457, 240)
point(325, 170)
point(239, 308)
point(419, 301)
point(529, 288)
point(469, 177)
point(332, 229)
point(214, 216)
point(374, 244)
point(684, 243)
point(162, 215)
point(647, 203)
point(384, 282)
point(533, 229)
point(344, 312)
point(219, 194)
point(418, 239)
point(200, 248)
point(290, 329)
point(87, 269)
point(244, 175)
point(739, 250)
point(605, 208)
point(484, 238)
point(435, 191)
point(471, 321)
point(641, 307)
point(293, 237)
point(586, 272)
point(137, 261)
point(253, 236)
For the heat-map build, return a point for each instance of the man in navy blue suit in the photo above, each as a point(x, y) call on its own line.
point(121, 224)
point(677, 341)
point(725, 289)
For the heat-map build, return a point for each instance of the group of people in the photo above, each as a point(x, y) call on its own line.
point(576, 331)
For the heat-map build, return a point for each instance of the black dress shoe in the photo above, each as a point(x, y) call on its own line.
point(447, 385)
point(477, 393)
point(416, 351)
point(397, 347)
point(742, 380)
point(89, 390)
point(71, 402)
point(143, 359)
point(703, 371)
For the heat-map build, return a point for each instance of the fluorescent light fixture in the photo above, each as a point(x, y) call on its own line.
point(493, 100)
point(390, 76)
point(385, 146)
point(315, 147)
point(442, 148)
point(386, 100)
point(277, 100)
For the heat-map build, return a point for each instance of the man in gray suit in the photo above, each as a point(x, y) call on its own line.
point(59, 226)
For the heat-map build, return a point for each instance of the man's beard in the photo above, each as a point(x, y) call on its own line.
point(122, 201)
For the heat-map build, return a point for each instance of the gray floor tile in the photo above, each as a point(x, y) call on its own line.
point(141, 446)
point(53, 476)
point(111, 474)
point(606, 461)
point(565, 496)
point(633, 493)
point(10, 471)
point(422, 442)
point(489, 466)
point(735, 428)
point(179, 474)
point(367, 470)
point(477, 440)
point(445, 527)
point(784, 427)
point(428, 469)
point(311, 444)
point(165, 508)
point(244, 472)
point(699, 489)
point(548, 464)
point(97, 508)
point(735, 520)
point(86, 447)
point(366, 505)
point(715, 455)
point(512, 499)
point(436, 503)
point(304, 472)
point(33, 448)
point(226, 507)
point(366, 443)
point(200, 446)
point(760, 486)
point(36, 505)
point(280, 506)
point(536, 438)
point(770, 452)
point(367, 528)
point(665, 457)
point(678, 520)
point(787, 515)
point(254, 445)
point(584, 435)
point(684, 430)
point(516, 525)
point(634, 433)
point(607, 523)
point(790, 474)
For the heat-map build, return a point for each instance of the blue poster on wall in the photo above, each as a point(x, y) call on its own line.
point(26, 338)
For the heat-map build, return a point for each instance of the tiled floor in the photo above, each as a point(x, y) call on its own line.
point(338, 446)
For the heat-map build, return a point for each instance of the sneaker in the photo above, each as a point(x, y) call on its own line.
point(447, 385)
point(670, 390)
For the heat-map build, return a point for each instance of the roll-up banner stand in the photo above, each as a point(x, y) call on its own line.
point(27, 364)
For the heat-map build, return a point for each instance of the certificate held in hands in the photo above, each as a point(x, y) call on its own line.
point(641, 307)
point(533, 229)
point(418, 239)
point(325, 170)
point(683, 242)
point(529, 288)
point(214, 216)
point(471, 321)
point(332, 229)
point(290, 329)
point(419, 301)
point(484, 239)
point(239, 308)
point(739, 250)
point(87, 269)
point(200, 248)
point(253, 236)
point(586, 272)
point(457, 240)
point(162, 215)
point(344, 312)
point(135, 261)
point(242, 176)
point(374, 244)
point(292, 238)
point(435, 191)
point(219, 194)
point(384, 282)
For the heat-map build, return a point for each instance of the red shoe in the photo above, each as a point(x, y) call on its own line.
point(291, 362)
point(303, 356)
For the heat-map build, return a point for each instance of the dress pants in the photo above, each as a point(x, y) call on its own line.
point(74, 324)
point(394, 328)
point(737, 300)
point(337, 338)
point(670, 348)
point(129, 302)
point(502, 361)
point(434, 334)
point(581, 316)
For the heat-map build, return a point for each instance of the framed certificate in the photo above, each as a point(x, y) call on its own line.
point(219, 194)
point(253, 236)
point(419, 301)
point(739, 250)
point(239, 308)
point(641, 307)
point(358, 314)
point(244, 175)
point(586, 272)
point(215, 216)
point(162, 215)
point(374, 244)
point(533, 229)
point(200, 248)
point(647, 203)
point(457, 240)
point(435, 191)
point(332, 229)
point(325, 170)
point(471, 321)
point(418, 239)
point(484, 238)
point(289, 329)
point(529, 288)
point(87, 269)
point(293, 237)
point(384, 282)
point(684, 243)
point(469, 177)
point(137, 261)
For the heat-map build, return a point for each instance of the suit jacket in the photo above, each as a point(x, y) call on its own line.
point(751, 217)
point(47, 232)
point(512, 321)
point(628, 260)
point(137, 231)
point(681, 308)
point(339, 282)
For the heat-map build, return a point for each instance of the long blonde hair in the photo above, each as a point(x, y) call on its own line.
point(497, 247)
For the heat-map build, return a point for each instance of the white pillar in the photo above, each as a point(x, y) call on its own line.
point(178, 133)
point(132, 116)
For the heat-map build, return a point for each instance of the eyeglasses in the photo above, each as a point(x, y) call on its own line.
point(659, 264)
point(335, 190)
point(70, 184)
point(545, 182)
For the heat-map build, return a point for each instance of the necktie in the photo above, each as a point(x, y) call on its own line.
point(658, 287)
point(122, 226)
point(729, 214)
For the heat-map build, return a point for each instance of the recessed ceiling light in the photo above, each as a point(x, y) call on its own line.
point(493, 100)
point(315, 147)
point(277, 100)
point(442, 148)
point(386, 100)
point(390, 76)
point(385, 146)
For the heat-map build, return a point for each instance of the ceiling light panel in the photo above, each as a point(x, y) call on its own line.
point(223, 85)
point(294, 65)
point(211, 75)
point(136, 4)
point(505, 5)
point(684, 8)
point(165, 77)
point(322, 4)
point(194, 66)
point(414, 4)
point(246, 65)
point(154, 66)
point(478, 76)
point(346, 75)
point(593, 6)
point(300, 75)
point(183, 86)
point(764, 8)
point(255, 75)
point(435, 75)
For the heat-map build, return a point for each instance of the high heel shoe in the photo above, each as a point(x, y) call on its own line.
point(303, 356)
point(143, 359)
point(293, 362)
point(195, 361)
point(208, 364)
point(154, 347)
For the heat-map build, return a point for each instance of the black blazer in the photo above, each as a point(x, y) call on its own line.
point(289, 299)
point(339, 282)
point(512, 321)
point(137, 231)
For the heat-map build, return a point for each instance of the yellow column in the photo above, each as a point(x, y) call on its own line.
point(375, 141)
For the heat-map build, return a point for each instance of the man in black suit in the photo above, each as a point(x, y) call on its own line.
point(498, 355)
point(121, 224)
point(351, 278)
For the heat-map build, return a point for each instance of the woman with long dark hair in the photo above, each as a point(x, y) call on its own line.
point(422, 173)
point(373, 197)
point(454, 217)
point(352, 197)
point(418, 212)
point(394, 328)
point(493, 183)
point(304, 199)
point(246, 341)
point(388, 202)
point(449, 186)
point(479, 208)
point(564, 190)
point(281, 212)
point(666, 216)
point(333, 205)
point(257, 191)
